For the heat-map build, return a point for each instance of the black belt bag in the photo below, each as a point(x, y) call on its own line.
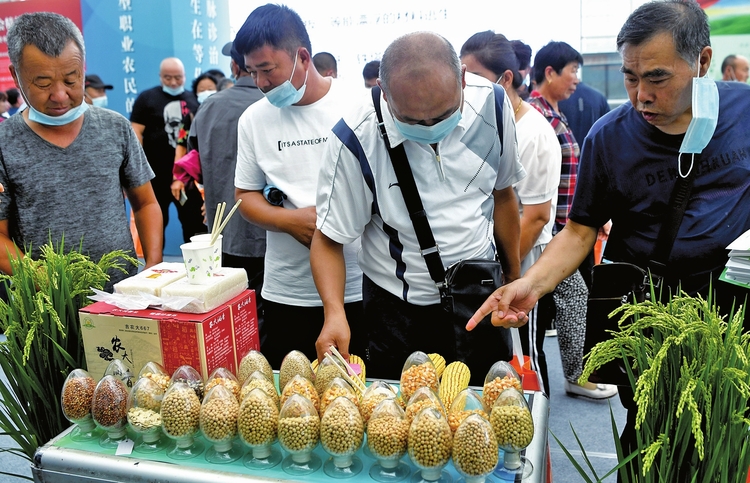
point(612, 285)
point(467, 285)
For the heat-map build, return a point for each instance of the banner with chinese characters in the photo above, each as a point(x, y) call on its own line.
point(126, 40)
point(10, 10)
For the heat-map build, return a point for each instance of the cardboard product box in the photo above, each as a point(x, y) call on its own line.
point(219, 338)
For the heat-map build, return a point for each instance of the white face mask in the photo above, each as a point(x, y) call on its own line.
point(705, 110)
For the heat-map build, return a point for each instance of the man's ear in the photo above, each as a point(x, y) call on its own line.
point(385, 97)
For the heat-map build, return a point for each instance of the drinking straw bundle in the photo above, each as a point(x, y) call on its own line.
point(219, 225)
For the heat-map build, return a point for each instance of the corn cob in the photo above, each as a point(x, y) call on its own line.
point(314, 365)
point(439, 362)
point(455, 379)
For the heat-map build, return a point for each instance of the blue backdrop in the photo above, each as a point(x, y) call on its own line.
point(126, 41)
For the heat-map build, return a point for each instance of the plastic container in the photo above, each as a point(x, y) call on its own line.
point(156, 372)
point(418, 371)
point(294, 363)
point(258, 428)
point(257, 380)
point(375, 393)
point(422, 398)
point(465, 403)
point(302, 386)
point(327, 370)
point(75, 400)
point(109, 409)
point(218, 423)
point(299, 433)
point(387, 440)
point(513, 424)
point(500, 377)
point(251, 362)
point(224, 377)
point(430, 444)
point(188, 375)
point(475, 452)
point(337, 387)
point(341, 434)
point(118, 369)
point(144, 415)
point(180, 420)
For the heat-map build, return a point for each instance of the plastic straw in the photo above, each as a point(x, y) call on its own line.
point(346, 364)
point(224, 223)
point(217, 218)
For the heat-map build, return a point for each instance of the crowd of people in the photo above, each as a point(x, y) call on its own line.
point(512, 159)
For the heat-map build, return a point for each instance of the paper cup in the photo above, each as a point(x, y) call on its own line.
point(205, 238)
point(201, 261)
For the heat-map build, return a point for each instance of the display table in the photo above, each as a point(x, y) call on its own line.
point(63, 460)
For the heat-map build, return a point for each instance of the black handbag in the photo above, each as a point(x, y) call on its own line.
point(464, 286)
point(617, 283)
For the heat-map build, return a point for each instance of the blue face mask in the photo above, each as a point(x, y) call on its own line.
point(705, 110)
point(286, 94)
point(173, 91)
point(202, 96)
point(429, 134)
point(99, 101)
point(62, 120)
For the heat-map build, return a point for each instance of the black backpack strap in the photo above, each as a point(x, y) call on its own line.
point(427, 245)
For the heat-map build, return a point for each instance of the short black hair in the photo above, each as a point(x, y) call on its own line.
point(371, 70)
point(685, 20)
point(205, 75)
point(325, 61)
point(556, 55)
point(276, 25)
point(495, 53)
point(728, 60)
point(523, 53)
point(217, 73)
point(13, 94)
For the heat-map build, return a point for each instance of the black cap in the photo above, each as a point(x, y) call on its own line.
point(93, 80)
point(230, 51)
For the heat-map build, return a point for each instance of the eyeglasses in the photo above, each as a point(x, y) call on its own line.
point(169, 78)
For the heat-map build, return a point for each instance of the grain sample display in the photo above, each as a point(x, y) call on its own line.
point(302, 386)
point(222, 376)
point(257, 425)
point(500, 377)
point(257, 380)
point(374, 395)
point(75, 400)
point(299, 425)
point(251, 362)
point(418, 371)
point(337, 387)
point(422, 398)
point(430, 443)
point(192, 378)
point(467, 402)
point(295, 363)
point(475, 451)
point(180, 411)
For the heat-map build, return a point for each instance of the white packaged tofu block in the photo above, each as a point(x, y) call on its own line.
point(224, 284)
point(152, 280)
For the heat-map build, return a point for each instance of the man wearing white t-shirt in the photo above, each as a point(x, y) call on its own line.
point(281, 142)
point(459, 136)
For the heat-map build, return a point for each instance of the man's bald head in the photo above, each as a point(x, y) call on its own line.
point(172, 72)
point(416, 56)
point(171, 63)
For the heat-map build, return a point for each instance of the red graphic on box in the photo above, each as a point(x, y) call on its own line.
point(217, 338)
point(246, 325)
point(179, 345)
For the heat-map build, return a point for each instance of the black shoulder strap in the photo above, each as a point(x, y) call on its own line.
point(672, 220)
point(429, 249)
point(499, 103)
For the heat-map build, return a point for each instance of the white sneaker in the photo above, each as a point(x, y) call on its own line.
point(590, 390)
